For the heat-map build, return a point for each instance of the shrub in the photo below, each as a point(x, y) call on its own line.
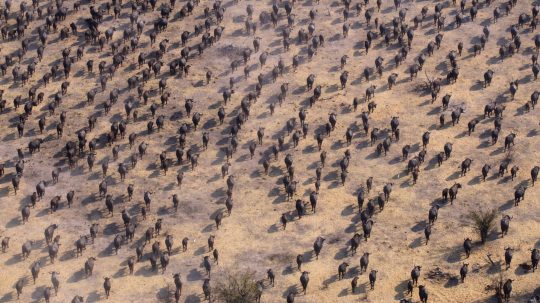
point(483, 222)
point(238, 287)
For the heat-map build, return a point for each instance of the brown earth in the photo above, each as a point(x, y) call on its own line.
point(252, 237)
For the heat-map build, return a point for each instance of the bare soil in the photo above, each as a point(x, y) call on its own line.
point(252, 237)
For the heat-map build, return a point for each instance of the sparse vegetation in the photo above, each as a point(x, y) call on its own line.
point(148, 124)
point(483, 222)
point(497, 285)
point(237, 287)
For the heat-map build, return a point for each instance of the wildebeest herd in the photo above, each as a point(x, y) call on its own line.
point(315, 144)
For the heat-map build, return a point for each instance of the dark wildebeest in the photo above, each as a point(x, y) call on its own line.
point(422, 292)
point(534, 174)
point(463, 272)
point(465, 166)
point(508, 255)
point(317, 246)
point(372, 278)
point(107, 286)
point(507, 289)
point(415, 274)
point(519, 195)
point(453, 191)
point(485, 170)
point(467, 246)
point(342, 269)
point(505, 225)
point(427, 233)
point(433, 214)
point(364, 262)
point(304, 280)
point(535, 258)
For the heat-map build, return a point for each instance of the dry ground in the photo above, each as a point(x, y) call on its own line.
point(252, 236)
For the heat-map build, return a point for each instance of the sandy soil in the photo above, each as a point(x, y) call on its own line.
point(252, 237)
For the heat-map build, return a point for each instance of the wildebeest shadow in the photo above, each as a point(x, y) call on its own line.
point(329, 281)
point(335, 184)
point(477, 86)
point(14, 259)
point(461, 135)
point(220, 192)
point(351, 228)
point(454, 255)
point(507, 205)
point(452, 282)
point(348, 210)
point(484, 144)
point(433, 163)
point(520, 271)
point(395, 160)
point(194, 275)
point(76, 276)
point(89, 199)
point(400, 290)
point(475, 180)
point(453, 176)
point(498, 151)
point(532, 133)
point(434, 111)
point(146, 271)
point(273, 228)
point(419, 226)
point(416, 243)
point(93, 297)
point(13, 222)
point(43, 212)
point(344, 292)
point(37, 294)
point(504, 179)
point(193, 299)
point(522, 184)
point(275, 171)
point(292, 289)
point(342, 253)
point(333, 175)
point(8, 297)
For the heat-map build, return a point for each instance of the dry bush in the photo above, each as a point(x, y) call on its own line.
point(238, 287)
point(497, 286)
point(483, 222)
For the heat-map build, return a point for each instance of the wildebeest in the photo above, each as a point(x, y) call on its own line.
point(317, 246)
point(372, 278)
point(36, 267)
point(304, 280)
point(535, 258)
point(415, 274)
point(534, 174)
point(364, 262)
point(463, 272)
point(427, 233)
point(507, 289)
point(467, 246)
point(342, 268)
point(453, 191)
point(5, 244)
point(519, 194)
point(508, 255)
point(505, 225)
point(485, 170)
point(433, 214)
point(422, 292)
point(107, 286)
point(465, 166)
